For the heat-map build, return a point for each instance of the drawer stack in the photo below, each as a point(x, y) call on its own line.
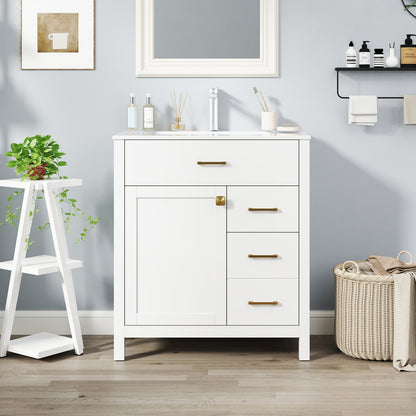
point(262, 255)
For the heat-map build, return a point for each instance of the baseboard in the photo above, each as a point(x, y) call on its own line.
point(101, 322)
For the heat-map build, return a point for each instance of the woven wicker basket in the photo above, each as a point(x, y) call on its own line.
point(364, 304)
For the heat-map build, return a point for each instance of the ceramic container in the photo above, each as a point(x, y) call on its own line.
point(268, 120)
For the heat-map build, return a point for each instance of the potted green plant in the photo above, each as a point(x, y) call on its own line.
point(37, 158)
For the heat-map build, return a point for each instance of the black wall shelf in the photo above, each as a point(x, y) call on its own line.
point(345, 69)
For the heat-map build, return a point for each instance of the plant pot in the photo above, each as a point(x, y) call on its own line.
point(37, 172)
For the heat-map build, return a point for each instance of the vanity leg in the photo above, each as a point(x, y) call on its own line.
point(304, 348)
point(119, 345)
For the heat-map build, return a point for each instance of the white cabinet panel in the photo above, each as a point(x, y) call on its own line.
point(244, 249)
point(262, 302)
point(262, 208)
point(175, 256)
point(247, 162)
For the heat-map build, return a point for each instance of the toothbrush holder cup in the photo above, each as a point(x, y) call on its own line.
point(269, 120)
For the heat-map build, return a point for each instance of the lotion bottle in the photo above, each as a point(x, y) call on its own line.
point(351, 60)
point(364, 55)
point(132, 113)
point(148, 115)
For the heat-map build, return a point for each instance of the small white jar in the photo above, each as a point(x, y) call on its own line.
point(269, 120)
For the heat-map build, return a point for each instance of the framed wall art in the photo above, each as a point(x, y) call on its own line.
point(57, 34)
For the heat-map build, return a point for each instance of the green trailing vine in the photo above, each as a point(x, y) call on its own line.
point(36, 158)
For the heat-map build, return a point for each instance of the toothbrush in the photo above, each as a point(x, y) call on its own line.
point(258, 99)
point(264, 101)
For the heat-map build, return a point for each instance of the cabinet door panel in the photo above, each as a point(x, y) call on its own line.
point(175, 256)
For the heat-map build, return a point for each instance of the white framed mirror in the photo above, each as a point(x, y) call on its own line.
point(207, 38)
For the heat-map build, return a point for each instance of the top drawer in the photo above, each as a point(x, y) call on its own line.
point(247, 162)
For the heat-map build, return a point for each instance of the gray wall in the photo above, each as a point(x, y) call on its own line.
point(363, 178)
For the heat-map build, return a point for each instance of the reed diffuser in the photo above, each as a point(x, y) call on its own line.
point(178, 106)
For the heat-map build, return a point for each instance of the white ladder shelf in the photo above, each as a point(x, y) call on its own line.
point(43, 344)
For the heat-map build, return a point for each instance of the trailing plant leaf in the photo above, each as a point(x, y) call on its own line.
point(12, 214)
point(70, 210)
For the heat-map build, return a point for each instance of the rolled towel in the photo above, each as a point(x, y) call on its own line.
point(409, 109)
point(362, 110)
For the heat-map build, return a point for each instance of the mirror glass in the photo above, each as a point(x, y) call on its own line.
point(206, 29)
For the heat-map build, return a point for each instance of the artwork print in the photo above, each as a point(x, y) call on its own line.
point(57, 34)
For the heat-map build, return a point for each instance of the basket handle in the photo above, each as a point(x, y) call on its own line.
point(353, 263)
point(408, 253)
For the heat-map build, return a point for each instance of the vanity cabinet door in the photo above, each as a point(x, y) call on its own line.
point(175, 256)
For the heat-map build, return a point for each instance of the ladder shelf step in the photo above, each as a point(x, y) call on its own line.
point(40, 345)
point(40, 265)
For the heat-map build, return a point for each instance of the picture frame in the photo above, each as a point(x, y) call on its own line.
point(57, 34)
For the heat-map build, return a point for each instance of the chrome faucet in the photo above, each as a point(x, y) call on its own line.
point(213, 109)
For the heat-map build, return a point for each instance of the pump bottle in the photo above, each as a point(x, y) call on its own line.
point(148, 115)
point(132, 114)
point(364, 55)
point(408, 53)
point(351, 59)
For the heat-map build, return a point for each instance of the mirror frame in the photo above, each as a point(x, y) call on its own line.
point(266, 66)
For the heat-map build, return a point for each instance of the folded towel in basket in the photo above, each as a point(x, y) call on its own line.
point(386, 266)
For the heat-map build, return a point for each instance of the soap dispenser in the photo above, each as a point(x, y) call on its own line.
point(364, 55)
point(351, 59)
point(148, 115)
point(408, 53)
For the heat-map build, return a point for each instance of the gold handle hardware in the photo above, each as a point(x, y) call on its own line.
point(220, 200)
point(211, 163)
point(263, 209)
point(263, 256)
point(275, 302)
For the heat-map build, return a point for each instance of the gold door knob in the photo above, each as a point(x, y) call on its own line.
point(220, 200)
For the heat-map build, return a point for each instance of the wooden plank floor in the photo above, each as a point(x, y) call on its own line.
point(204, 377)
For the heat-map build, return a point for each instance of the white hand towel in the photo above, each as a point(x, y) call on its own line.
point(362, 110)
point(409, 109)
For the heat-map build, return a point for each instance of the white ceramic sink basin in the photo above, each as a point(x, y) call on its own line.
point(216, 133)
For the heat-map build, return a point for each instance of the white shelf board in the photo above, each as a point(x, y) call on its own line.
point(40, 345)
point(40, 265)
point(40, 184)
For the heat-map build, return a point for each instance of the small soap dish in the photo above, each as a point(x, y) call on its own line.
point(288, 128)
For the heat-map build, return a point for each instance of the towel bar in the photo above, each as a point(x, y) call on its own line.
point(338, 70)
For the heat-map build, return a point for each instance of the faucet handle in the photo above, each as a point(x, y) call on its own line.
point(213, 91)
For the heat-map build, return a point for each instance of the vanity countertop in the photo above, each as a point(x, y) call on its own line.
point(208, 135)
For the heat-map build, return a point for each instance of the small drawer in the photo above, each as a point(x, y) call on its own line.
point(211, 162)
point(262, 208)
point(262, 302)
point(261, 255)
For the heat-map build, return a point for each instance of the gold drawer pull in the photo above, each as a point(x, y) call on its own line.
point(263, 256)
point(211, 163)
point(250, 302)
point(263, 209)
